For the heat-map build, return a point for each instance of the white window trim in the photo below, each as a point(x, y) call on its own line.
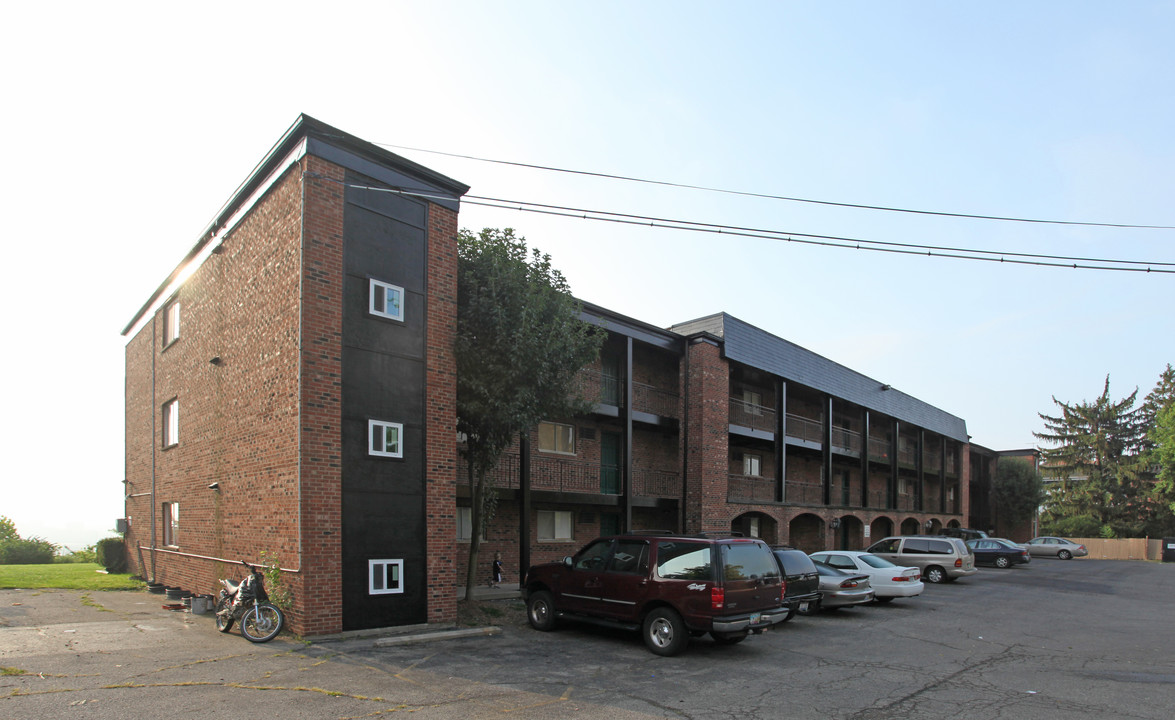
point(383, 452)
point(752, 461)
point(467, 525)
point(171, 524)
point(171, 323)
point(398, 564)
point(569, 453)
point(555, 525)
point(171, 423)
point(373, 285)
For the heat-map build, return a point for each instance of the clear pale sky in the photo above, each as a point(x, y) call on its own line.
point(127, 126)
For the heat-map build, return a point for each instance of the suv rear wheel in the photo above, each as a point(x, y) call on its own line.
point(540, 610)
point(665, 632)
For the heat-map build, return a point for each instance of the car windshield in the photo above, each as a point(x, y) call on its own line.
point(877, 562)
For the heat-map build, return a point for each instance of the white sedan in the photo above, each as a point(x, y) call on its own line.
point(889, 581)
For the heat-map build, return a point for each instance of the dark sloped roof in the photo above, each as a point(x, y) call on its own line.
point(749, 345)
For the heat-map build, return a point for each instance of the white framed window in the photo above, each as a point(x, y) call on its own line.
point(171, 422)
point(385, 439)
point(386, 300)
point(903, 486)
point(753, 402)
point(171, 323)
point(465, 525)
point(752, 465)
point(554, 524)
point(557, 438)
point(171, 523)
point(385, 577)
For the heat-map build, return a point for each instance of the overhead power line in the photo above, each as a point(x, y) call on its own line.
point(1016, 258)
point(768, 196)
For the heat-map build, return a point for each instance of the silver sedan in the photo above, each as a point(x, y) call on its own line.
point(839, 589)
point(1057, 547)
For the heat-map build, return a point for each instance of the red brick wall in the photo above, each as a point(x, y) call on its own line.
point(441, 416)
point(707, 439)
point(320, 398)
point(237, 419)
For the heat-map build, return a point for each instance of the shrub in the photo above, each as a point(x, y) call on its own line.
point(111, 554)
point(27, 551)
point(1082, 526)
point(88, 554)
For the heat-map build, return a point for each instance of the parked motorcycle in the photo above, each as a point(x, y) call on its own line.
point(247, 604)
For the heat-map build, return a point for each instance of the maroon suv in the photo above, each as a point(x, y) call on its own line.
point(667, 586)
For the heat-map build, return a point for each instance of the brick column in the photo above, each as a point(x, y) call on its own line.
point(441, 416)
point(707, 438)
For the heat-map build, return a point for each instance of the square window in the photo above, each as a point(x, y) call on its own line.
point(557, 438)
point(171, 323)
point(385, 577)
point(171, 423)
point(171, 524)
point(384, 439)
point(753, 402)
point(554, 524)
point(752, 465)
point(465, 525)
point(386, 300)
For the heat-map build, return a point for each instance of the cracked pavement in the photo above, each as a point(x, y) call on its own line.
point(1073, 640)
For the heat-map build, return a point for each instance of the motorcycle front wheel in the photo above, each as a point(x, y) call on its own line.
point(224, 620)
point(261, 623)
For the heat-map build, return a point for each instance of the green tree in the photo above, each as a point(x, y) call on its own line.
point(1097, 454)
point(1162, 458)
point(520, 342)
point(7, 529)
point(1161, 397)
point(1017, 491)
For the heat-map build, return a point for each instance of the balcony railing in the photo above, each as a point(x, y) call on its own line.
point(804, 428)
point(607, 388)
point(803, 493)
point(750, 488)
point(655, 400)
point(879, 449)
point(750, 415)
point(574, 476)
point(846, 441)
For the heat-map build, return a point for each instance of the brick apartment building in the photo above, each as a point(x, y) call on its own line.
point(290, 389)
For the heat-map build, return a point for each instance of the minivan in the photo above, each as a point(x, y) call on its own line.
point(941, 559)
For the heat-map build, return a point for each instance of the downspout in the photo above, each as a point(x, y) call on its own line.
point(151, 409)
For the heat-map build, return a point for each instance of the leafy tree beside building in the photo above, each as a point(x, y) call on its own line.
point(520, 342)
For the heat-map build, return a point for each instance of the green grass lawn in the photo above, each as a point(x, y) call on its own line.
point(65, 576)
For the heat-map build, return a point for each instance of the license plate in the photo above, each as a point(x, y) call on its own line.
point(755, 617)
point(803, 607)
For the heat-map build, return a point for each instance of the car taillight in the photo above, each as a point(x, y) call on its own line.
point(782, 590)
point(901, 578)
point(717, 598)
point(959, 562)
point(849, 584)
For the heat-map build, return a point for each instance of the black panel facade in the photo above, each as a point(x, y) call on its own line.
point(383, 379)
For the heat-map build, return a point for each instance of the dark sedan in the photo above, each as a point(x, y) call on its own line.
point(999, 552)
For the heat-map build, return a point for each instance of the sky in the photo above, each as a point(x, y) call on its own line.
point(128, 125)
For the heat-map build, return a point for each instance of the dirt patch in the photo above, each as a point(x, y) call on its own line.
point(482, 613)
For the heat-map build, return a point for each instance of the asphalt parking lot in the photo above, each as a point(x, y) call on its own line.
point(1078, 639)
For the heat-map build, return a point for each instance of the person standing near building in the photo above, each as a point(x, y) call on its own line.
point(497, 570)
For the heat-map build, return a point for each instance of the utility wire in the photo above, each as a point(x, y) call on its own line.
point(1060, 261)
point(883, 208)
